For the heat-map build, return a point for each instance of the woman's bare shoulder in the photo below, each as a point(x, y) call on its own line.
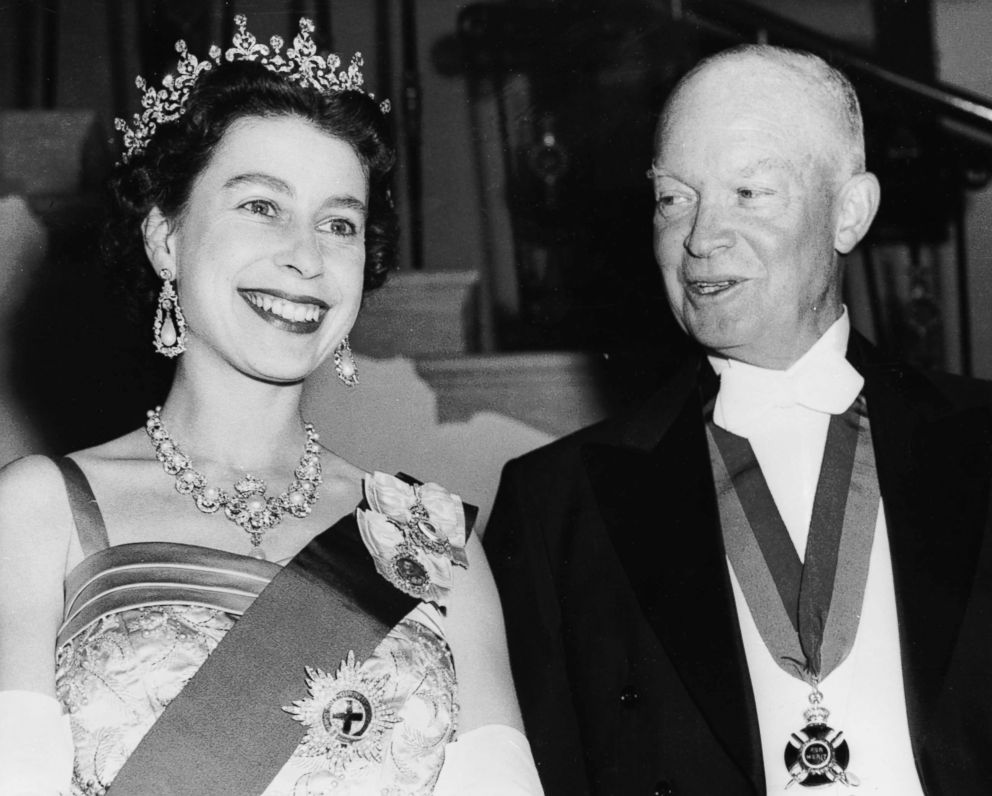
point(35, 534)
point(28, 481)
point(33, 498)
point(335, 465)
point(35, 522)
point(128, 447)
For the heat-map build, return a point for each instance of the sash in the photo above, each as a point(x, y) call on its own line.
point(807, 612)
point(226, 733)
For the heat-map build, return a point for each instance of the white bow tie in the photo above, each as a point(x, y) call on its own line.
point(822, 380)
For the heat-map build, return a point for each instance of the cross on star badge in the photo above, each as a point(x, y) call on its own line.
point(347, 715)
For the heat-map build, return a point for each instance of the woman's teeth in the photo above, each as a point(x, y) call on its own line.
point(288, 310)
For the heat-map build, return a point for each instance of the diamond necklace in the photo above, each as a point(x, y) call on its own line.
point(248, 506)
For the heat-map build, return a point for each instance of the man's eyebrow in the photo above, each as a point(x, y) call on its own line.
point(767, 164)
point(657, 171)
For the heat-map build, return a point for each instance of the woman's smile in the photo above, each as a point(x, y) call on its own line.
point(296, 314)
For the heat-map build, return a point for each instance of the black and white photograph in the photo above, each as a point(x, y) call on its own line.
point(496, 398)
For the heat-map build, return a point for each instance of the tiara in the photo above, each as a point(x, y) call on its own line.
point(300, 64)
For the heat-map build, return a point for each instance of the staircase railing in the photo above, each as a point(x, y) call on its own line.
point(747, 21)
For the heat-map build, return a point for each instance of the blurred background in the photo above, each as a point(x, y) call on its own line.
point(527, 302)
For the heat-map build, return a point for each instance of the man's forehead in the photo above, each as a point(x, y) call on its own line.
point(746, 144)
point(749, 125)
point(740, 165)
point(747, 85)
point(730, 97)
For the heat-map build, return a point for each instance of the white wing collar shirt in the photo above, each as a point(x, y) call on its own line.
point(784, 415)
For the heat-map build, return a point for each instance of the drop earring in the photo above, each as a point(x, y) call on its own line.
point(345, 365)
point(170, 324)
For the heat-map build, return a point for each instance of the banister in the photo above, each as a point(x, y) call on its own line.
point(738, 18)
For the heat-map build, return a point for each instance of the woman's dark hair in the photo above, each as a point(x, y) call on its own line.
point(162, 175)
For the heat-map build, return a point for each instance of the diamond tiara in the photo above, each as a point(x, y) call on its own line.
point(300, 64)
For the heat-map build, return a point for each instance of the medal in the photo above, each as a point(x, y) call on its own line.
point(818, 754)
point(348, 716)
point(791, 599)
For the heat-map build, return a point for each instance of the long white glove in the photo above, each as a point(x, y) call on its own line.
point(494, 760)
point(36, 750)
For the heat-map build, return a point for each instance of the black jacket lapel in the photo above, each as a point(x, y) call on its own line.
point(678, 569)
point(933, 459)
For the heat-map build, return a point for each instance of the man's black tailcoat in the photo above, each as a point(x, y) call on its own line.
point(626, 650)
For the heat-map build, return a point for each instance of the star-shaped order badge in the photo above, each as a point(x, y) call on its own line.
point(415, 533)
point(346, 715)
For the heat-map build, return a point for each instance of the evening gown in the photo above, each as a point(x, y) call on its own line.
point(141, 618)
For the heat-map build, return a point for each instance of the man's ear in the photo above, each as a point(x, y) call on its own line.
point(857, 201)
point(159, 235)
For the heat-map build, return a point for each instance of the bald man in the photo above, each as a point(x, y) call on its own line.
point(777, 574)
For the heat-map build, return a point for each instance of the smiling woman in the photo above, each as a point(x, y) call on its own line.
point(252, 213)
point(256, 254)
